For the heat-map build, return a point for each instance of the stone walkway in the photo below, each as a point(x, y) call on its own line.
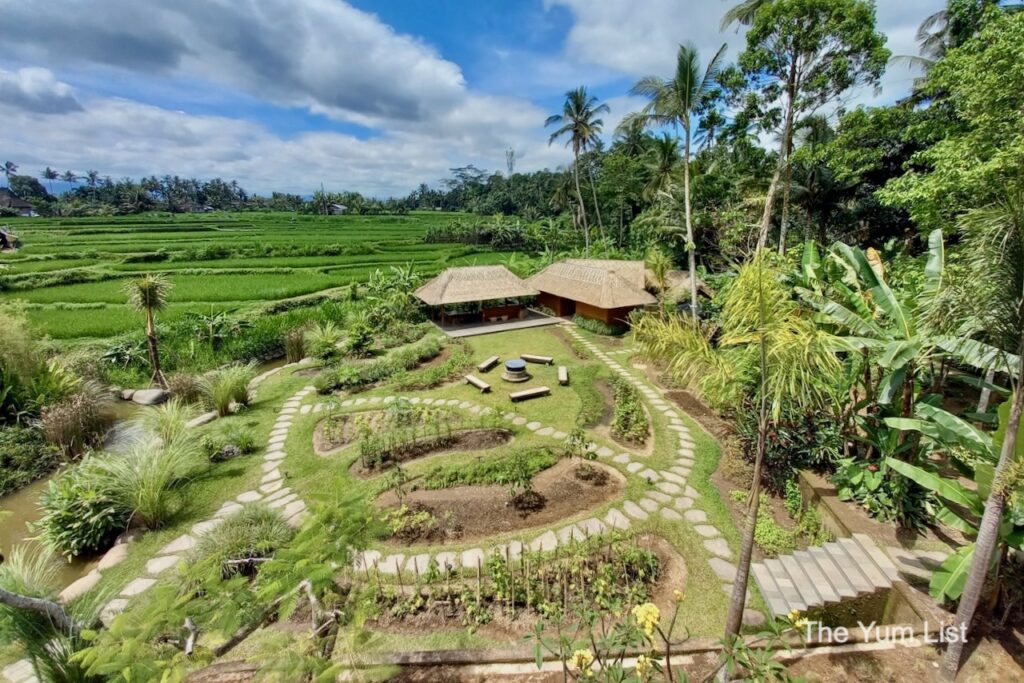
point(670, 496)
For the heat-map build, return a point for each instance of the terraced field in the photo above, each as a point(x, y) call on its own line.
point(69, 272)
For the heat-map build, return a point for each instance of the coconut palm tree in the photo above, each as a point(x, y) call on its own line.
point(148, 294)
point(579, 121)
point(69, 176)
point(662, 162)
point(631, 137)
point(92, 179)
point(50, 175)
point(742, 13)
point(674, 102)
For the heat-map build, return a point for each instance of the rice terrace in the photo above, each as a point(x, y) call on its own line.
point(346, 340)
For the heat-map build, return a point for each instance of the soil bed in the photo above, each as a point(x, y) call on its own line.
point(484, 511)
point(463, 440)
point(704, 415)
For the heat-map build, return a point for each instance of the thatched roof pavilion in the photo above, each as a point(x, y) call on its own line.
point(455, 289)
point(604, 290)
point(678, 285)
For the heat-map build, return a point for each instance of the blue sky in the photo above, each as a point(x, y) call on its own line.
point(364, 95)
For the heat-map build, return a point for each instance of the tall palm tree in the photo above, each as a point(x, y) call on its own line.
point(631, 136)
point(50, 175)
point(9, 169)
point(69, 177)
point(662, 162)
point(92, 179)
point(674, 102)
point(579, 121)
point(148, 294)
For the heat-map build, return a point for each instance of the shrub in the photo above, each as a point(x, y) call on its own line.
point(598, 327)
point(252, 533)
point(351, 376)
point(504, 471)
point(229, 385)
point(323, 340)
point(24, 457)
point(185, 387)
point(143, 478)
point(80, 514)
point(630, 421)
point(77, 422)
point(168, 422)
point(294, 345)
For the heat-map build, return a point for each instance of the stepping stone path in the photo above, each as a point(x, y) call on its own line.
point(271, 490)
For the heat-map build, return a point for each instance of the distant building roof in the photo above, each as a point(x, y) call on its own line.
point(601, 283)
point(678, 284)
point(473, 283)
point(11, 200)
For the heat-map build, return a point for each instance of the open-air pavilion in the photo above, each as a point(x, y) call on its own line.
point(599, 289)
point(475, 296)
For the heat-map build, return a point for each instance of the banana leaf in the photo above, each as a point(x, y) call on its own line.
point(948, 580)
point(948, 489)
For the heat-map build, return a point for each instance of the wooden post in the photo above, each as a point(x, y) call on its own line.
point(526, 563)
point(478, 570)
point(398, 573)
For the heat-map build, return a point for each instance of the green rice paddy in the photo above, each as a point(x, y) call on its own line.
point(69, 272)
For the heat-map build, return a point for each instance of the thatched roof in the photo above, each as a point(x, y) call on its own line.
point(473, 283)
point(678, 282)
point(597, 285)
point(630, 271)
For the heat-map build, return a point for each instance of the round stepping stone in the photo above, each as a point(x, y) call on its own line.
point(228, 508)
point(650, 475)
point(696, 516)
point(138, 586)
point(271, 486)
point(427, 401)
point(272, 475)
point(684, 503)
point(473, 557)
point(634, 510)
point(509, 416)
point(249, 497)
point(673, 477)
point(668, 487)
point(659, 496)
point(649, 505)
point(80, 587)
point(306, 408)
point(179, 545)
point(113, 557)
point(545, 431)
point(158, 565)
point(616, 520)
point(360, 401)
point(474, 409)
point(374, 400)
point(533, 426)
point(706, 530)
point(604, 451)
point(680, 470)
point(201, 528)
point(635, 466)
point(670, 514)
point(691, 492)
point(268, 466)
point(347, 403)
point(559, 435)
point(293, 508)
point(519, 421)
point(591, 527)
point(367, 559)
point(280, 493)
point(112, 609)
point(281, 502)
point(543, 543)
point(464, 405)
point(414, 400)
point(719, 547)
point(621, 458)
point(726, 571)
point(392, 564)
point(447, 560)
point(568, 533)
point(274, 455)
point(418, 564)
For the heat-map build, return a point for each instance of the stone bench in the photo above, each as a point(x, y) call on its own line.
point(488, 364)
point(542, 360)
point(563, 375)
point(529, 393)
point(483, 386)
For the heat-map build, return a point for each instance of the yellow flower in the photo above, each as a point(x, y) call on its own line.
point(647, 617)
point(643, 666)
point(800, 624)
point(581, 660)
point(794, 615)
point(678, 595)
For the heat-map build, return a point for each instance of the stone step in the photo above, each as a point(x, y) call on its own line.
point(878, 556)
point(848, 566)
point(864, 563)
point(802, 582)
point(770, 591)
point(785, 584)
point(832, 572)
point(817, 578)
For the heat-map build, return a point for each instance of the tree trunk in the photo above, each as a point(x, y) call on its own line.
point(579, 197)
point(787, 135)
point(154, 351)
point(691, 247)
point(986, 393)
point(766, 217)
point(786, 185)
point(47, 608)
point(597, 209)
point(988, 534)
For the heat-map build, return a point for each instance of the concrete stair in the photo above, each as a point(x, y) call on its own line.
point(824, 575)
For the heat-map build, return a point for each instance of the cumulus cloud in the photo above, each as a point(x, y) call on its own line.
point(36, 90)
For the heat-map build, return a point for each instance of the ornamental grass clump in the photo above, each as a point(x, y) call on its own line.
point(168, 422)
point(77, 422)
point(242, 541)
point(228, 386)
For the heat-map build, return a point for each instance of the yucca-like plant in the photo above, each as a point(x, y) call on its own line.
point(143, 478)
point(229, 385)
point(322, 339)
point(294, 345)
point(148, 294)
point(32, 573)
point(168, 422)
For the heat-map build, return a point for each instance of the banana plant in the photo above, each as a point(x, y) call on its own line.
point(961, 507)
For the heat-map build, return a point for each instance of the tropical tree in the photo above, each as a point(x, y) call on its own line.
point(661, 162)
point(676, 101)
point(800, 55)
point(579, 121)
point(148, 294)
point(92, 179)
point(742, 13)
point(50, 175)
point(659, 263)
point(69, 176)
point(9, 168)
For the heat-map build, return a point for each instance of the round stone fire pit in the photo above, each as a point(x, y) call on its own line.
point(515, 371)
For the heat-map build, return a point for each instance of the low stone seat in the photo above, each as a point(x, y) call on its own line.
point(483, 386)
point(525, 394)
point(542, 360)
point(563, 375)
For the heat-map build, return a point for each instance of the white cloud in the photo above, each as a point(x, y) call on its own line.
point(36, 90)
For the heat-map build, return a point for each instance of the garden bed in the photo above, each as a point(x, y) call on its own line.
point(484, 511)
point(464, 440)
